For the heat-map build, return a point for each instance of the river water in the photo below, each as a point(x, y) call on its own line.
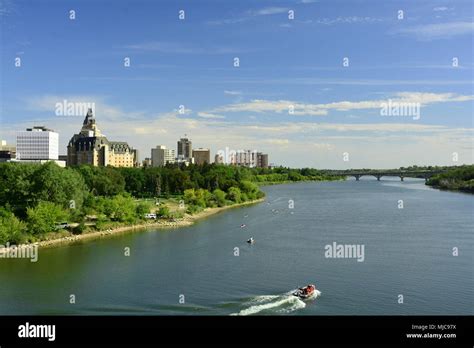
point(209, 269)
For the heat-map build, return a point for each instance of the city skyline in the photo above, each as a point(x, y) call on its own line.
point(293, 94)
point(91, 146)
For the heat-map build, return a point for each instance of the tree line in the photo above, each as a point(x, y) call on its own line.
point(34, 198)
point(456, 179)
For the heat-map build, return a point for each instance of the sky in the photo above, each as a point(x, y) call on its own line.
point(310, 88)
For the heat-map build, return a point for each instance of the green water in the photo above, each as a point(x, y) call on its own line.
point(194, 270)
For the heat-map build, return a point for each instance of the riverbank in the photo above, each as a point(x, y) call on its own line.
point(187, 220)
point(459, 179)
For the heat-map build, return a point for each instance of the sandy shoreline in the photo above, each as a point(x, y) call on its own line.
point(187, 220)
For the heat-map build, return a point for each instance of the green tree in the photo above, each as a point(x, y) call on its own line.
point(103, 181)
point(44, 217)
point(15, 186)
point(219, 197)
point(250, 189)
point(12, 230)
point(62, 186)
point(190, 196)
point(142, 209)
point(134, 181)
point(120, 208)
point(163, 212)
point(234, 194)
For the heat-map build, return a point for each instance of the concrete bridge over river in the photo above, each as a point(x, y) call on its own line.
point(358, 173)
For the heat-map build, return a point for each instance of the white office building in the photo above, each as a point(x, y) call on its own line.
point(37, 144)
point(161, 155)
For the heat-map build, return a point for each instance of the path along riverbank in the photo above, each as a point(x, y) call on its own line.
point(187, 220)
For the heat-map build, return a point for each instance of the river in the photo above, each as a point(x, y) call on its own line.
point(209, 269)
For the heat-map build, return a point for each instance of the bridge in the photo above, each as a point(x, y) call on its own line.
point(357, 174)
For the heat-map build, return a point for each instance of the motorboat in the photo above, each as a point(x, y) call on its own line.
point(250, 240)
point(305, 292)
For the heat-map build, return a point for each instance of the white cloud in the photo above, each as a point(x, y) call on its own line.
point(279, 142)
point(370, 144)
point(347, 82)
point(8, 7)
point(47, 103)
point(233, 92)
point(305, 109)
point(268, 11)
point(279, 106)
point(438, 31)
point(179, 48)
point(249, 15)
point(296, 144)
point(440, 9)
point(348, 20)
point(323, 146)
point(209, 115)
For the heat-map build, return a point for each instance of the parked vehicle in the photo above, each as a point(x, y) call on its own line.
point(62, 226)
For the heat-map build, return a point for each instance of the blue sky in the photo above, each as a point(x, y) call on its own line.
point(284, 63)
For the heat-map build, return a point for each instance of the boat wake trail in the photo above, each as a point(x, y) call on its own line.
point(274, 304)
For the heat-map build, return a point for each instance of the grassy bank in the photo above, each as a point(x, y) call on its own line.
point(186, 220)
point(456, 179)
point(46, 202)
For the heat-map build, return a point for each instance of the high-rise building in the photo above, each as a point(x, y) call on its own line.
point(262, 160)
point(246, 158)
point(90, 146)
point(201, 156)
point(37, 143)
point(161, 155)
point(184, 148)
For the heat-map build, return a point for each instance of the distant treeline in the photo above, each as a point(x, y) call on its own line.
point(457, 179)
point(34, 199)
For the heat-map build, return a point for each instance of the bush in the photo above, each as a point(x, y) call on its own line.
point(200, 197)
point(163, 212)
point(250, 189)
point(193, 209)
point(219, 197)
point(120, 208)
point(234, 194)
point(44, 217)
point(142, 209)
point(12, 230)
point(189, 196)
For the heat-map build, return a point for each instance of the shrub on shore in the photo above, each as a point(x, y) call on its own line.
point(12, 230)
point(458, 179)
point(38, 198)
point(44, 217)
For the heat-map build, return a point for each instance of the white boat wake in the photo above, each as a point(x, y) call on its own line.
point(278, 304)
